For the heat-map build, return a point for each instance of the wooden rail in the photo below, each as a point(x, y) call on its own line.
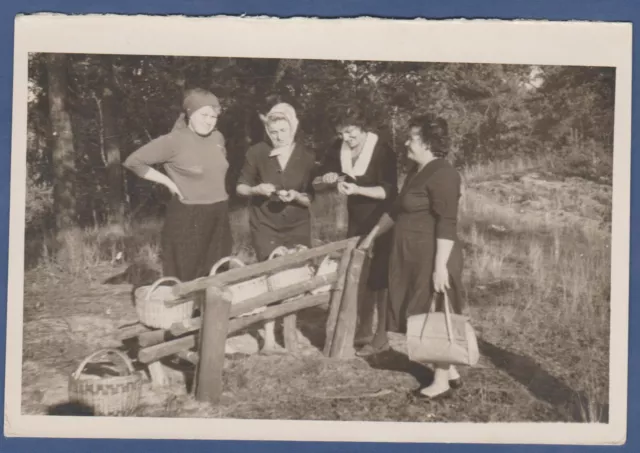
point(244, 273)
point(221, 317)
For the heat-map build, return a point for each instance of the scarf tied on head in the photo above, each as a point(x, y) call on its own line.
point(193, 101)
point(287, 112)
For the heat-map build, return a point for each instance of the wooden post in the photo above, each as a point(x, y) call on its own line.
point(342, 344)
point(336, 296)
point(213, 337)
point(290, 333)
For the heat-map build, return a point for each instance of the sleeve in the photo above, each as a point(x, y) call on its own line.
point(249, 173)
point(387, 172)
point(444, 194)
point(157, 151)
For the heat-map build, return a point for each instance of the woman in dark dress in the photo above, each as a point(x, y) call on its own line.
point(196, 230)
point(366, 168)
point(426, 256)
point(277, 177)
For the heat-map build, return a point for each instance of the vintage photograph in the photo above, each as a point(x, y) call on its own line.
point(252, 237)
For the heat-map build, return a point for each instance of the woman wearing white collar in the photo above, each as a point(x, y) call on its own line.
point(364, 168)
point(277, 177)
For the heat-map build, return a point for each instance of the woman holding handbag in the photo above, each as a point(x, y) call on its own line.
point(426, 256)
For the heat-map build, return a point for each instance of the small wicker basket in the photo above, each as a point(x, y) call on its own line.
point(151, 308)
point(111, 396)
point(243, 290)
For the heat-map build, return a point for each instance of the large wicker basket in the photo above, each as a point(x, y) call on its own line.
point(151, 308)
point(243, 290)
point(289, 277)
point(112, 395)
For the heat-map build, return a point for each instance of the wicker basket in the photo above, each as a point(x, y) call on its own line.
point(151, 308)
point(289, 277)
point(327, 266)
point(113, 395)
point(244, 290)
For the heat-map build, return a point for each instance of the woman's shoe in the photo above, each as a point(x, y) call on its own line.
point(455, 383)
point(440, 396)
point(369, 350)
point(362, 341)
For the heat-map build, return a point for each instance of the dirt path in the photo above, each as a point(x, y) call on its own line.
point(66, 319)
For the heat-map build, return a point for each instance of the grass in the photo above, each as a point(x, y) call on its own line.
point(537, 261)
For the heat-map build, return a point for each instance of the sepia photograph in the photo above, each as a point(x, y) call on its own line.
point(297, 230)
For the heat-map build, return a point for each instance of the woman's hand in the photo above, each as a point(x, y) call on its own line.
point(173, 188)
point(367, 243)
point(330, 178)
point(441, 279)
point(348, 188)
point(264, 189)
point(287, 196)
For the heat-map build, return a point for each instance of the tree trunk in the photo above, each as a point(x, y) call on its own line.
point(63, 155)
point(112, 148)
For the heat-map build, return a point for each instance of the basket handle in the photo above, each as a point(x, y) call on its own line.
point(157, 283)
point(222, 261)
point(123, 356)
point(278, 252)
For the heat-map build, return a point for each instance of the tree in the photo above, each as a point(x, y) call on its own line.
point(63, 152)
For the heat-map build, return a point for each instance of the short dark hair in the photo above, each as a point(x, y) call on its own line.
point(352, 116)
point(434, 131)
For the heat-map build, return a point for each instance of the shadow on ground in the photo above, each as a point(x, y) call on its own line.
point(545, 386)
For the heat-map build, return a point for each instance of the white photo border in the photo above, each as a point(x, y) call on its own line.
point(468, 41)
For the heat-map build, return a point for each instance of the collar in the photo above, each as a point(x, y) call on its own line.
point(362, 161)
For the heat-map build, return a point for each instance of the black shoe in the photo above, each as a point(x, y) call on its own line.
point(362, 341)
point(455, 383)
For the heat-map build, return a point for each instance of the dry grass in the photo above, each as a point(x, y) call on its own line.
point(537, 279)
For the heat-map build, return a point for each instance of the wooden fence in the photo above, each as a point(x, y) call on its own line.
point(220, 317)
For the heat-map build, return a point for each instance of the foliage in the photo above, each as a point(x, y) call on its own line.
point(495, 111)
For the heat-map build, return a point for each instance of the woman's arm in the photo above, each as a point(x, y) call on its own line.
point(157, 151)
point(384, 224)
point(444, 191)
point(248, 185)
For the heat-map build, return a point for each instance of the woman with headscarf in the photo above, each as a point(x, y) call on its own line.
point(364, 168)
point(426, 255)
point(196, 230)
point(277, 177)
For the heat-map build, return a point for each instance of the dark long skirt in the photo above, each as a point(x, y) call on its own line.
point(411, 269)
point(194, 237)
point(266, 239)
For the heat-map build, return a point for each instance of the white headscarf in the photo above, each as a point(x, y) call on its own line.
point(289, 113)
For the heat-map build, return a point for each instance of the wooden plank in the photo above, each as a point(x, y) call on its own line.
point(237, 324)
point(213, 337)
point(282, 294)
point(278, 311)
point(254, 270)
point(342, 344)
point(124, 333)
point(189, 356)
point(219, 290)
point(336, 296)
point(290, 333)
point(156, 352)
point(154, 337)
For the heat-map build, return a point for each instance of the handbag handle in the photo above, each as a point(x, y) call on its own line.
point(447, 316)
